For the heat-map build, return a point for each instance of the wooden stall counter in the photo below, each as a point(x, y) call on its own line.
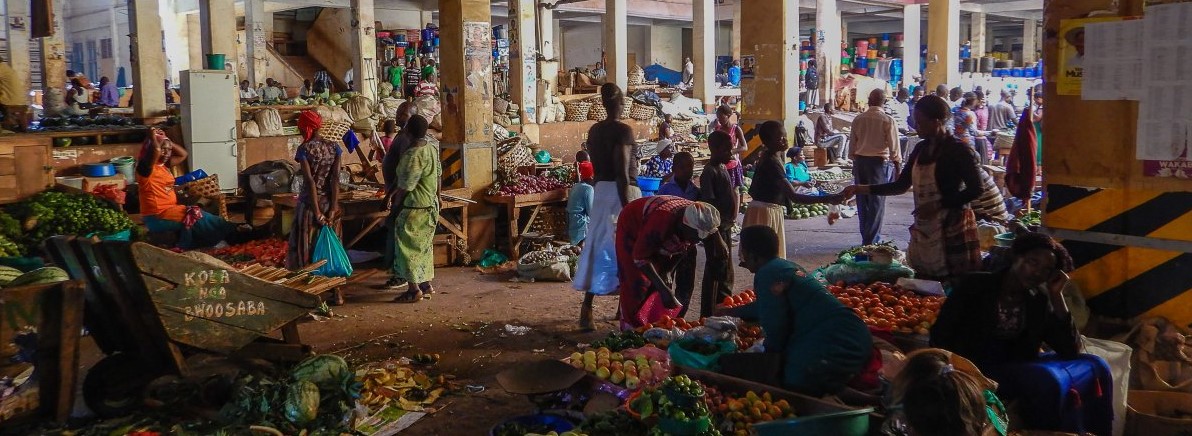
point(513, 207)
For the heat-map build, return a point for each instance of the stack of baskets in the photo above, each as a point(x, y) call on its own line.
point(578, 110)
point(682, 126)
point(628, 107)
point(643, 112)
point(513, 154)
point(637, 76)
point(597, 112)
point(334, 130)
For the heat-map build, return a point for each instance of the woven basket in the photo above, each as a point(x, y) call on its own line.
point(334, 130)
point(682, 126)
point(628, 107)
point(637, 77)
point(597, 112)
point(643, 112)
point(202, 188)
point(577, 110)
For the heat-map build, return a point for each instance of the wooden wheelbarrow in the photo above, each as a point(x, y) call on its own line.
point(149, 308)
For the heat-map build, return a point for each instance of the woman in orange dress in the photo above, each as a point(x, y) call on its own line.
point(159, 203)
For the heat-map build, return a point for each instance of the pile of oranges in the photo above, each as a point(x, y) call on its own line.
point(890, 307)
point(739, 299)
point(751, 408)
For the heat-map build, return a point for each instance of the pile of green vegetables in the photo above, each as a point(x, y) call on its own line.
point(618, 341)
point(52, 213)
point(10, 233)
point(612, 423)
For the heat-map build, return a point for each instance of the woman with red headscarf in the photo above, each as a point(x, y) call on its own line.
point(318, 203)
point(159, 203)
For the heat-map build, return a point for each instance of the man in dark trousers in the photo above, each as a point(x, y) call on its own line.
point(876, 158)
point(716, 188)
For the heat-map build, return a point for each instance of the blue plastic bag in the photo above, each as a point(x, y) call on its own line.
point(328, 246)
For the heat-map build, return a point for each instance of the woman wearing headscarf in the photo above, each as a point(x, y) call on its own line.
point(160, 209)
point(414, 194)
point(653, 234)
point(945, 175)
point(318, 203)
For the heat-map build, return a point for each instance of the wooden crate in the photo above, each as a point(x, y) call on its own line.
point(445, 252)
point(56, 312)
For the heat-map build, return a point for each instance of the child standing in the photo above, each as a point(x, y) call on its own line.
point(716, 188)
point(579, 201)
point(682, 186)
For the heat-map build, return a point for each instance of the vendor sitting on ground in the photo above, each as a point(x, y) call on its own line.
point(159, 203)
point(662, 164)
point(796, 170)
point(823, 343)
point(1000, 320)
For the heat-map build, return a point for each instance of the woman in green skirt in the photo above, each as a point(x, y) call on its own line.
point(414, 195)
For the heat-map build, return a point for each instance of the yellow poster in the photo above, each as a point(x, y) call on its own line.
point(1071, 59)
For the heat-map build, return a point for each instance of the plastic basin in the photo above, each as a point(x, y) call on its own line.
point(849, 423)
point(1004, 239)
point(648, 183)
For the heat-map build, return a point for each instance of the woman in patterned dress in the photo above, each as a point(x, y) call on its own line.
point(318, 203)
point(414, 195)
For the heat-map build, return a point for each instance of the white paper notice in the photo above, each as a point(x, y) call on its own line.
point(1113, 61)
point(1164, 124)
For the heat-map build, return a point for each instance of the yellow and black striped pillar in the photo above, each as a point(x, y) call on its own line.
point(453, 167)
point(1132, 249)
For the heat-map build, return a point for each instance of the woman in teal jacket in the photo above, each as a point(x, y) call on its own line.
point(823, 344)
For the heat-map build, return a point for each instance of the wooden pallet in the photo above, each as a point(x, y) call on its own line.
point(301, 280)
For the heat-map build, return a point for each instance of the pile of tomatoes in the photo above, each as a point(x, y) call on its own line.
point(668, 323)
point(739, 299)
point(267, 252)
point(748, 334)
point(890, 307)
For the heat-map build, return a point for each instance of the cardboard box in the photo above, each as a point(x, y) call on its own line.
point(90, 183)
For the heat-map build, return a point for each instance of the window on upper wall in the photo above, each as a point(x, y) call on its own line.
point(105, 48)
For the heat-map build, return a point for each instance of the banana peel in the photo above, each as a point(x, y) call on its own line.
point(401, 386)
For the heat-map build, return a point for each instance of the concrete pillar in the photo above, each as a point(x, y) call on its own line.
point(704, 48)
point(148, 59)
point(736, 29)
point(827, 54)
point(546, 33)
point(912, 21)
point(1030, 29)
point(364, 42)
point(977, 34)
point(194, 41)
point(616, 43)
point(217, 23)
point(426, 17)
point(523, 59)
point(18, 37)
point(466, 35)
point(943, 43)
point(772, 38)
point(53, 58)
point(254, 35)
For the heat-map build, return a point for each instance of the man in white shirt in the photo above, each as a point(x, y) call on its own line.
point(246, 91)
point(272, 91)
point(1001, 114)
point(900, 110)
point(876, 157)
point(688, 71)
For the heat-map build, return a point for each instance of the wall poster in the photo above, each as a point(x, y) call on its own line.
point(1072, 53)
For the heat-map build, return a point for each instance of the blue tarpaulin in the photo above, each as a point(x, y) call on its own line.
point(663, 74)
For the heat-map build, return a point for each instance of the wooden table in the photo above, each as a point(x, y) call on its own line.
point(366, 207)
point(514, 205)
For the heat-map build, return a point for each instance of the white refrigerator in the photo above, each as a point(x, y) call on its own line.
point(210, 111)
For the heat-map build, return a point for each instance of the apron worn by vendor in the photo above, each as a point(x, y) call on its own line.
point(647, 235)
point(941, 237)
point(162, 213)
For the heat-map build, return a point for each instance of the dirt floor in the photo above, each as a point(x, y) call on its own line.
point(465, 322)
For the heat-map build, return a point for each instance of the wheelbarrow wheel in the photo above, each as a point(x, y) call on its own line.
point(115, 386)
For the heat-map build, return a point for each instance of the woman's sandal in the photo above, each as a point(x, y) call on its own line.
point(409, 297)
point(427, 289)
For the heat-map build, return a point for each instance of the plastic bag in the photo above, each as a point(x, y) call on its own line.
point(492, 258)
point(693, 359)
point(865, 272)
point(328, 246)
point(550, 271)
point(1118, 355)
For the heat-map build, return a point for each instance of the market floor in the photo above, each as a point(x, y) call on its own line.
point(466, 320)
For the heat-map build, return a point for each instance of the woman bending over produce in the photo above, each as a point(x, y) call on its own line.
point(159, 203)
point(822, 343)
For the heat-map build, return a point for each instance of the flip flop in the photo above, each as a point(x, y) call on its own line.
point(408, 297)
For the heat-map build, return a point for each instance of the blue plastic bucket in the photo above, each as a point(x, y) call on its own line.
point(648, 185)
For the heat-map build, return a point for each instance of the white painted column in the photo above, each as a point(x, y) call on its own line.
point(217, 20)
point(546, 33)
point(17, 11)
point(523, 59)
point(827, 55)
point(148, 59)
point(616, 43)
point(364, 42)
point(943, 43)
point(704, 46)
point(254, 34)
point(194, 41)
point(977, 32)
point(1030, 29)
point(912, 38)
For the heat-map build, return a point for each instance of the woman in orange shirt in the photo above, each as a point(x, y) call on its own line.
point(159, 203)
